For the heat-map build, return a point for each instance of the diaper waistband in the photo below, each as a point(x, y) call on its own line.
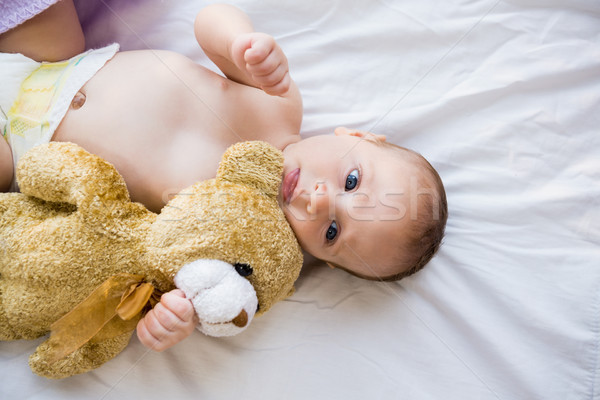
point(38, 94)
point(44, 97)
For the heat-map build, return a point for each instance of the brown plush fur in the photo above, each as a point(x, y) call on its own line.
point(73, 226)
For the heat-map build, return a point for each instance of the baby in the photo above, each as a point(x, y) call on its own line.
point(353, 200)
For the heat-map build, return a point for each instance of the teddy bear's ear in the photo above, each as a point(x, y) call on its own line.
point(254, 163)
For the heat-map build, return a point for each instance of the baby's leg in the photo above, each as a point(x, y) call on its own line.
point(52, 35)
point(6, 165)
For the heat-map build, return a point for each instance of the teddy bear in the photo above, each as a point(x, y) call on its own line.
point(81, 260)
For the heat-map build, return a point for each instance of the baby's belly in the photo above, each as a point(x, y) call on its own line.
point(158, 117)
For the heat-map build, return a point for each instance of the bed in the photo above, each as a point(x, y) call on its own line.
point(503, 97)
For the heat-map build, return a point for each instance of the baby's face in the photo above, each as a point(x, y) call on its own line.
point(348, 201)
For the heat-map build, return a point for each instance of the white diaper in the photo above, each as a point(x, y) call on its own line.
point(36, 96)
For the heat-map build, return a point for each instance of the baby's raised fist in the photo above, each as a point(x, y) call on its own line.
point(262, 58)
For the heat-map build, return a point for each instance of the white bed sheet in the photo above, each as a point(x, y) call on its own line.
point(503, 97)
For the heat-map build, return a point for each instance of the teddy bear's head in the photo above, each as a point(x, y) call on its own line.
point(234, 218)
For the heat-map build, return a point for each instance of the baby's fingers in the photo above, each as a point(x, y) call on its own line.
point(264, 61)
point(261, 46)
point(153, 333)
point(168, 323)
point(279, 88)
point(175, 302)
point(273, 65)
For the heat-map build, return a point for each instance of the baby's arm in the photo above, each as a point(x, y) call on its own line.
point(168, 323)
point(227, 36)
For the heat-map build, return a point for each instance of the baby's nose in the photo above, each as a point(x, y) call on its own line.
point(319, 200)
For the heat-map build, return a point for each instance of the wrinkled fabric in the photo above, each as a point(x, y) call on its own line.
point(15, 12)
point(503, 99)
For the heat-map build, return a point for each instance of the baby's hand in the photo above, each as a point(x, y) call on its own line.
point(168, 323)
point(262, 58)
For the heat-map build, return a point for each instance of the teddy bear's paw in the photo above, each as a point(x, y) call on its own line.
point(224, 300)
point(89, 356)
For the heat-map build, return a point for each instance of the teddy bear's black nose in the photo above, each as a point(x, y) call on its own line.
point(243, 269)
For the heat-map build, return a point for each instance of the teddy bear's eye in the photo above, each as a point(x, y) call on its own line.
point(243, 269)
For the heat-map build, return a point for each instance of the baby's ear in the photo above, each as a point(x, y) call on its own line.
point(341, 130)
point(255, 164)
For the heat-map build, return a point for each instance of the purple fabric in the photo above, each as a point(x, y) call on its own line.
point(15, 12)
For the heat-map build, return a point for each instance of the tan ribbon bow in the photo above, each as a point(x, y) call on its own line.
point(112, 309)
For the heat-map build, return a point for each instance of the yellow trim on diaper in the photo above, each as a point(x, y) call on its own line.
point(36, 98)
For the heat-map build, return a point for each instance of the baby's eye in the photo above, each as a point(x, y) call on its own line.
point(352, 180)
point(331, 231)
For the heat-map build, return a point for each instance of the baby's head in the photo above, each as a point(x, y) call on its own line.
point(361, 204)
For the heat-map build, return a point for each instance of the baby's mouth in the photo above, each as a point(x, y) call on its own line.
point(289, 184)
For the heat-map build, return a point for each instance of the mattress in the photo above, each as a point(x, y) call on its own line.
point(503, 97)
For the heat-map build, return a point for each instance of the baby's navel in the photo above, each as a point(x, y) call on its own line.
point(78, 101)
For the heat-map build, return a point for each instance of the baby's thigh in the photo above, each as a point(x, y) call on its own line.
point(53, 35)
point(6, 166)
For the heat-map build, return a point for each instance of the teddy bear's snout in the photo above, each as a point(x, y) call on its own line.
point(224, 300)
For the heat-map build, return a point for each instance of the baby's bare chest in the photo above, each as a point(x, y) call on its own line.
point(163, 126)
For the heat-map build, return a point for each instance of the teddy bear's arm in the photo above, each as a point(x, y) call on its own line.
point(64, 172)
